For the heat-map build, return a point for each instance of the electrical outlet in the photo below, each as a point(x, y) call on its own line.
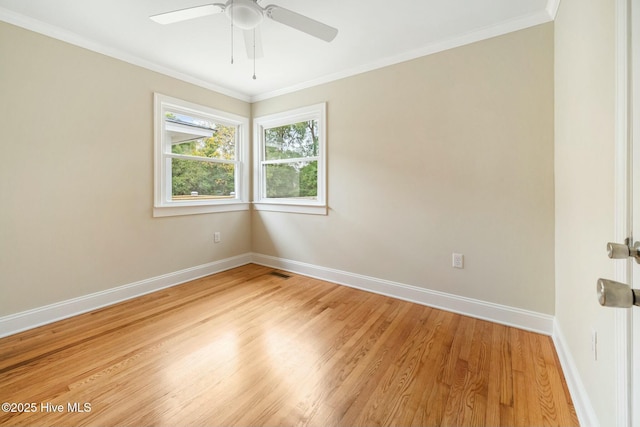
point(216, 237)
point(457, 261)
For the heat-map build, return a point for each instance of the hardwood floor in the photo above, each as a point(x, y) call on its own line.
point(247, 348)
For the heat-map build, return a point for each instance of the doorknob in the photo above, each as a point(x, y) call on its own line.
point(624, 250)
point(616, 294)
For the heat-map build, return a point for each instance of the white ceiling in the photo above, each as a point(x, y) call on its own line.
point(372, 34)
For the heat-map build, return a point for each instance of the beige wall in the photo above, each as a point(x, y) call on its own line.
point(76, 176)
point(584, 155)
point(449, 152)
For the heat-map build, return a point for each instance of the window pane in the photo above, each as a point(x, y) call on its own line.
point(193, 180)
point(291, 141)
point(201, 138)
point(289, 180)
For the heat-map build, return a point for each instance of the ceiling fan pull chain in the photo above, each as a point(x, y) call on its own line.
point(231, 32)
point(254, 54)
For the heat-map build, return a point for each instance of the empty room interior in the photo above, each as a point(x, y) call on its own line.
point(362, 214)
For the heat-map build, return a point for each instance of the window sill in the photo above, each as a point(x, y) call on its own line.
point(202, 209)
point(290, 208)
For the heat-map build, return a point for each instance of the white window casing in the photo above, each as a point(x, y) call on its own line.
point(316, 204)
point(165, 203)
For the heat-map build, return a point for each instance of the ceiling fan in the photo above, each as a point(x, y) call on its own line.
point(247, 15)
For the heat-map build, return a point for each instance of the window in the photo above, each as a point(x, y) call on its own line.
point(200, 159)
point(289, 153)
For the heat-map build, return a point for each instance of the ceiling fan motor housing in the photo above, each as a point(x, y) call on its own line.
point(245, 14)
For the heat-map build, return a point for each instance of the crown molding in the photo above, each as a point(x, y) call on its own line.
point(485, 33)
point(552, 8)
point(58, 33)
point(515, 24)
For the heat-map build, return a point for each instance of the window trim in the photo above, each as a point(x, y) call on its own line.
point(163, 205)
point(312, 112)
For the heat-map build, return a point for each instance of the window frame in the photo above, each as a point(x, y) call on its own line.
point(164, 205)
point(260, 124)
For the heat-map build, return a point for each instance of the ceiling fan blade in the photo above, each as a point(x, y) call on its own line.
point(301, 22)
point(188, 13)
point(249, 41)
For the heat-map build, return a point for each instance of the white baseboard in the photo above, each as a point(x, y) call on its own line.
point(29, 319)
point(581, 401)
point(519, 318)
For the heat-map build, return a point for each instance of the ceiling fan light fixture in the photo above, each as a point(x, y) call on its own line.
point(245, 14)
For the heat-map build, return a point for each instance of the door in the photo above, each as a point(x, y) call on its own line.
point(634, 268)
point(623, 292)
point(634, 193)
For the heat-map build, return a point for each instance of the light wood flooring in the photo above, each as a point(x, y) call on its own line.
point(251, 348)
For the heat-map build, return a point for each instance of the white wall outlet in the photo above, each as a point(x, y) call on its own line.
point(457, 261)
point(216, 237)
